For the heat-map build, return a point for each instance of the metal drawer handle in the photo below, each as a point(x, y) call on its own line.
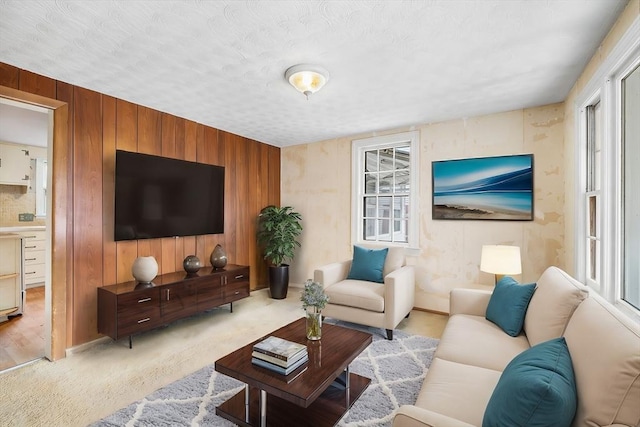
point(29, 259)
point(144, 320)
point(144, 300)
point(237, 292)
point(30, 272)
point(240, 276)
point(29, 247)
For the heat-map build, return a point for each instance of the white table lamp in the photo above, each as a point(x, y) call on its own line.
point(500, 260)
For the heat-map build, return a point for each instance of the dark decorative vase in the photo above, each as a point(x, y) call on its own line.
point(279, 281)
point(192, 264)
point(218, 258)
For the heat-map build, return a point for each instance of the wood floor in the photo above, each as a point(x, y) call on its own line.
point(22, 337)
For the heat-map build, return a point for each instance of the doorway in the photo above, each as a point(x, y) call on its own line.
point(27, 130)
point(59, 237)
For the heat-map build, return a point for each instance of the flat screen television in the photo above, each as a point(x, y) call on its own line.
point(162, 197)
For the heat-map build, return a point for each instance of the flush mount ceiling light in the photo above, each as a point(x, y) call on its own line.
point(307, 78)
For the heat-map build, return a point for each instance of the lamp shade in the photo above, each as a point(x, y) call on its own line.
point(498, 259)
point(307, 78)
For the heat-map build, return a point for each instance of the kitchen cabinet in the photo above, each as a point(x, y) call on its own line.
point(34, 257)
point(11, 277)
point(15, 165)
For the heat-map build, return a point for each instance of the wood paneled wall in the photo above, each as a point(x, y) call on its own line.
point(100, 124)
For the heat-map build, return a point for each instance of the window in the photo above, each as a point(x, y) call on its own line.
point(41, 187)
point(608, 177)
point(384, 189)
point(631, 188)
point(592, 192)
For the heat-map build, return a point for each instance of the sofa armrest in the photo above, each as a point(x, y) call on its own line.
point(332, 273)
point(469, 301)
point(399, 293)
point(414, 416)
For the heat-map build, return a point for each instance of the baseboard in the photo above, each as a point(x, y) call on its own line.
point(86, 346)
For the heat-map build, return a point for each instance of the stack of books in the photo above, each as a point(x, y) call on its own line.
point(279, 355)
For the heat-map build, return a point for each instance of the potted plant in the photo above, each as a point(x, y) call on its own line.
point(278, 229)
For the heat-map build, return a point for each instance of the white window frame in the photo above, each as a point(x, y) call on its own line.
point(358, 149)
point(605, 85)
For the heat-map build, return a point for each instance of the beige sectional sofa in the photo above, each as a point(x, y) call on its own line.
point(603, 344)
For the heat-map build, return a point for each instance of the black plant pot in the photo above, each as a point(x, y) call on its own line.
point(279, 281)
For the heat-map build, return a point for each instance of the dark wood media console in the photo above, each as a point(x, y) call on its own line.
point(127, 308)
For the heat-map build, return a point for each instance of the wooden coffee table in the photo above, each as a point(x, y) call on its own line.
point(307, 397)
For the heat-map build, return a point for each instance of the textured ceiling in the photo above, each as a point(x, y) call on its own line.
point(392, 63)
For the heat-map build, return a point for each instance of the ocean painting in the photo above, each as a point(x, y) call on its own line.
point(499, 188)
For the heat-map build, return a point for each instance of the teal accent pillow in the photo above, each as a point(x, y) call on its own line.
point(537, 388)
point(508, 305)
point(367, 264)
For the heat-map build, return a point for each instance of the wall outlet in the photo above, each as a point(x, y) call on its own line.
point(25, 217)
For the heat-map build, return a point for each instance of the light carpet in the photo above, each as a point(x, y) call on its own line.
point(396, 368)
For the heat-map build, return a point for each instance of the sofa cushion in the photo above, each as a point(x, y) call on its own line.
point(537, 388)
point(605, 349)
point(473, 340)
point(552, 305)
point(508, 305)
point(368, 264)
point(357, 293)
point(395, 260)
point(457, 390)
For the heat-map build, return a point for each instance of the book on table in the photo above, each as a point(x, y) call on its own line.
point(279, 362)
point(279, 348)
point(279, 369)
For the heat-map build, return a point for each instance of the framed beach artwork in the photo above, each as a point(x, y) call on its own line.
point(498, 188)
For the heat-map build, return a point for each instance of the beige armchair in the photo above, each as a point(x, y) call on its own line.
point(380, 305)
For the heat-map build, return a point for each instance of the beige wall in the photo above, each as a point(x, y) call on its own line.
point(316, 180)
point(628, 16)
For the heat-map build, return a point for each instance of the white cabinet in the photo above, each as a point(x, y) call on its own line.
point(34, 256)
point(15, 166)
point(11, 277)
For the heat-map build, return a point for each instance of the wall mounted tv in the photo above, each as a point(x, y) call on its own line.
point(162, 197)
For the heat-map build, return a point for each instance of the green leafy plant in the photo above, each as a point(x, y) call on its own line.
point(278, 229)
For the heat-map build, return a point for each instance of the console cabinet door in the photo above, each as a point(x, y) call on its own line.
point(177, 301)
point(210, 292)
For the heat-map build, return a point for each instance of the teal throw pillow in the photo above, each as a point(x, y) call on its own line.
point(508, 305)
point(368, 264)
point(537, 388)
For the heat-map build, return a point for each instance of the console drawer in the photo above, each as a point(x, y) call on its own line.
point(138, 320)
point(139, 300)
point(235, 291)
point(241, 275)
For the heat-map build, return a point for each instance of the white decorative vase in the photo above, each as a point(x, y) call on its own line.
point(145, 269)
